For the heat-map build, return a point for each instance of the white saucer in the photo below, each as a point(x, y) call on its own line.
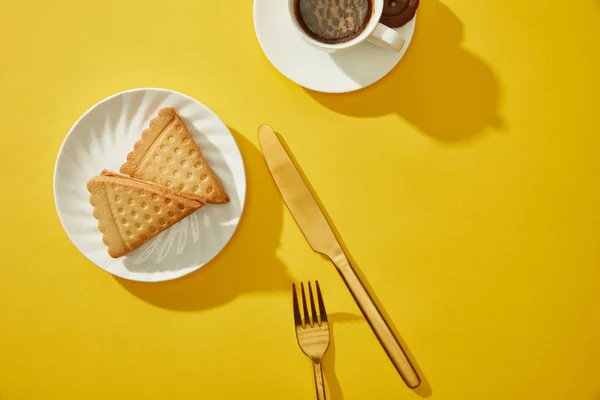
point(315, 69)
point(101, 139)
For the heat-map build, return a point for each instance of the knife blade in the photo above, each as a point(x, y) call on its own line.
point(297, 195)
point(319, 234)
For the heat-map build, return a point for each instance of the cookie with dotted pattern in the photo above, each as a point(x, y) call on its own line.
point(168, 155)
point(130, 212)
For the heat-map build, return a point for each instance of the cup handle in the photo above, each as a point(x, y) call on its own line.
point(387, 38)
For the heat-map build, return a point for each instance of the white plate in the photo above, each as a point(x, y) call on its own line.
point(102, 138)
point(339, 72)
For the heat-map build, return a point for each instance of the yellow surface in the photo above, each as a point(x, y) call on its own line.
point(465, 185)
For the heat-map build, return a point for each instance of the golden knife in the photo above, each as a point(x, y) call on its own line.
point(320, 236)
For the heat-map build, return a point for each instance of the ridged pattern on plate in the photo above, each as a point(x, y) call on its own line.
point(102, 138)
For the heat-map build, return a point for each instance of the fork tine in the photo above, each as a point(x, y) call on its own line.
point(306, 319)
point(297, 317)
point(321, 304)
point(312, 306)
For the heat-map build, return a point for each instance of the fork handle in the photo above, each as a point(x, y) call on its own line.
point(319, 381)
point(378, 324)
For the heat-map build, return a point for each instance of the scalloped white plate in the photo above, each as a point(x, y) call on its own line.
point(101, 139)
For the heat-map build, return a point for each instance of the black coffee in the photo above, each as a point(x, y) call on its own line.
point(333, 21)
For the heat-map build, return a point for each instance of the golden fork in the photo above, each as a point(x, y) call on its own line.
point(312, 334)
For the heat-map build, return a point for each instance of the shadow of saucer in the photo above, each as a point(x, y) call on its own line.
point(249, 254)
point(440, 87)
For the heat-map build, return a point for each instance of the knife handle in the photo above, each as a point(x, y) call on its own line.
point(378, 324)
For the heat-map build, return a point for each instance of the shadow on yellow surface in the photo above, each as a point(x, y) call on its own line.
point(333, 384)
point(246, 265)
point(424, 389)
point(440, 87)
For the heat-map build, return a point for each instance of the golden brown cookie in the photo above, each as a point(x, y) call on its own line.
point(130, 212)
point(168, 155)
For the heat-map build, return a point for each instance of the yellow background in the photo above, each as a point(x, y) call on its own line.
point(465, 184)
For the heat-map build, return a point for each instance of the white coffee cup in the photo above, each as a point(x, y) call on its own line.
point(375, 32)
